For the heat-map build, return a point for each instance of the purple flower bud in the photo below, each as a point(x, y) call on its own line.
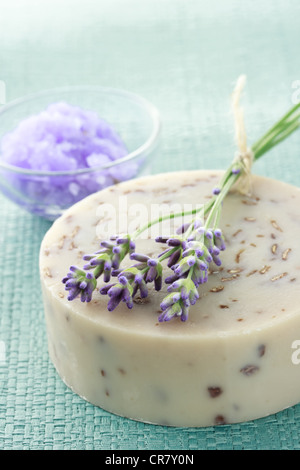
point(174, 258)
point(171, 279)
point(218, 233)
point(199, 252)
point(217, 260)
point(152, 262)
point(114, 302)
point(74, 268)
point(202, 265)
point(191, 260)
point(139, 257)
point(158, 283)
point(215, 251)
point(219, 242)
point(126, 297)
point(88, 257)
point(104, 290)
point(131, 246)
point(197, 224)
point(96, 262)
point(151, 274)
point(174, 242)
point(138, 278)
point(216, 191)
point(122, 241)
point(143, 290)
point(123, 280)
point(74, 293)
point(183, 228)
point(209, 234)
point(191, 238)
point(164, 252)
point(161, 239)
point(106, 244)
point(235, 171)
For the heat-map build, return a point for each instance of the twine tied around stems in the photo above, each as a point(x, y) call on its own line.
point(244, 155)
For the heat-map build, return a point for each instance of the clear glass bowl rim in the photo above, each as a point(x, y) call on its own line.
point(147, 145)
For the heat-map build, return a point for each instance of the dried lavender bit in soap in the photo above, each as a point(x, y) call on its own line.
point(279, 276)
point(264, 269)
point(276, 226)
point(217, 289)
point(261, 350)
point(249, 369)
point(220, 420)
point(285, 254)
point(214, 391)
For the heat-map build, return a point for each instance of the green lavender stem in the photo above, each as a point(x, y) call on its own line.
point(282, 129)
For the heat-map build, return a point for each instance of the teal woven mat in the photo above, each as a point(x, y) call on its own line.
point(184, 57)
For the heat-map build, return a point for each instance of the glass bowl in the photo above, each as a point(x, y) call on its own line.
point(50, 193)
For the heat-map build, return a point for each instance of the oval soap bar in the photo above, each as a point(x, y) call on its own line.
point(236, 357)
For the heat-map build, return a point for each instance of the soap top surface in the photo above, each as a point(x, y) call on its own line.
point(257, 285)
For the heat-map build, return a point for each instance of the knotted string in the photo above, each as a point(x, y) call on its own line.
point(244, 154)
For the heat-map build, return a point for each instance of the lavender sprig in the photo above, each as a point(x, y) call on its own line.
point(79, 283)
point(134, 280)
point(189, 253)
point(196, 249)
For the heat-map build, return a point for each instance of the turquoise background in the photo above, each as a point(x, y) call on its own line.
point(184, 56)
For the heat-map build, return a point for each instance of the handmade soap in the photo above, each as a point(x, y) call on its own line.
point(234, 359)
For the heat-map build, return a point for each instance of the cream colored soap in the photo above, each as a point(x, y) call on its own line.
point(235, 359)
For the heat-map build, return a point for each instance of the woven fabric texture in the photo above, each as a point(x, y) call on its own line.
point(184, 57)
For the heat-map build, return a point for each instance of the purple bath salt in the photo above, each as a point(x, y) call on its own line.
point(63, 138)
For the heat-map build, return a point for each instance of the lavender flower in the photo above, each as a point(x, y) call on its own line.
point(118, 292)
point(133, 280)
point(183, 293)
point(195, 251)
point(79, 283)
point(103, 261)
point(109, 257)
